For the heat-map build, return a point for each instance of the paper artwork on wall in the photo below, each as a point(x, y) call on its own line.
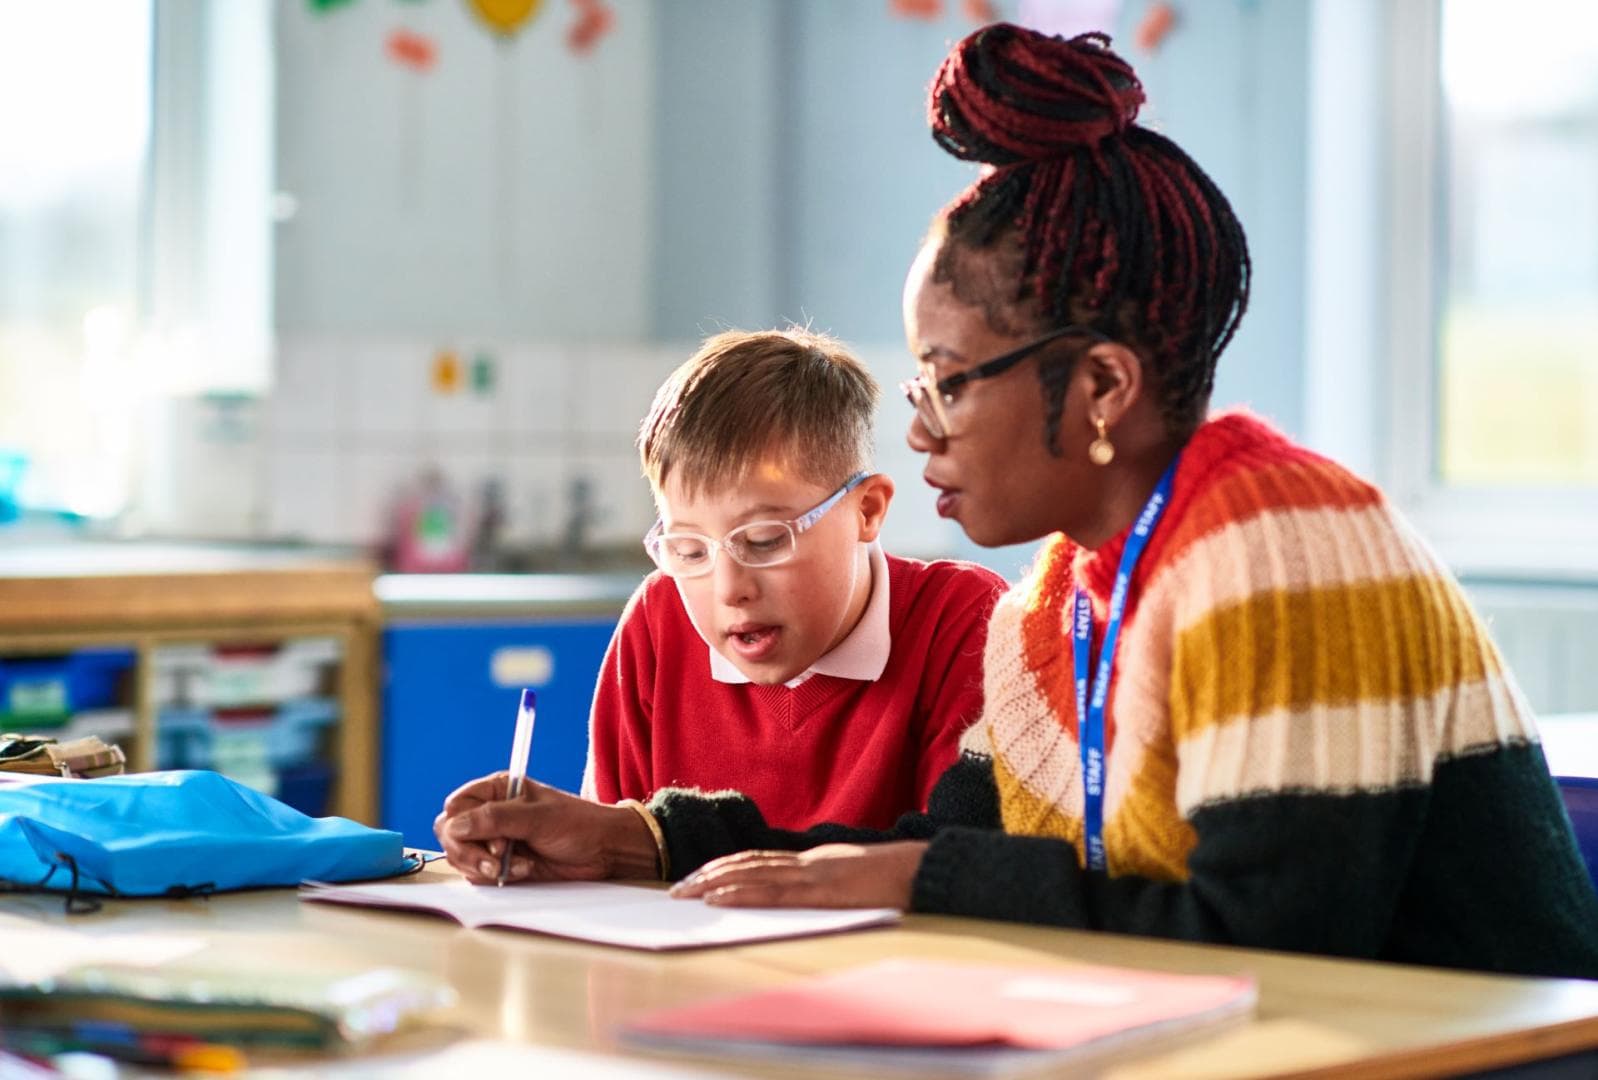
point(594, 20)
point(1157, 22)
point(505, 17)
point(411, 50)
point(929, 10)
point(446, 372)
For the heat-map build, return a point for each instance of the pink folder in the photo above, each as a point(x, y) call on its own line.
point(927, 1003)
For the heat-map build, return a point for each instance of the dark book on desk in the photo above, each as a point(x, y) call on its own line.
point(289, 1010)
point(929, 1017)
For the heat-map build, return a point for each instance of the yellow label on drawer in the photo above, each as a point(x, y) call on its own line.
point(522, 665)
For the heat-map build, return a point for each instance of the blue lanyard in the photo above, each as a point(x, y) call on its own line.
point(1090, 712)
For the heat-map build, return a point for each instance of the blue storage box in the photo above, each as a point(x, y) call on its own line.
point(282, 738)
point(44, 691)
point(1581, 803)
point(308, 787)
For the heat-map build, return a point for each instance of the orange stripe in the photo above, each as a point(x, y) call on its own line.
point(1044, 645)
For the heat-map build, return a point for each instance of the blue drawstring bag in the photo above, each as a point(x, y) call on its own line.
point(176, 833)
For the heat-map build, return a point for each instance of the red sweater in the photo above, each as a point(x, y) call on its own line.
point(829, 749)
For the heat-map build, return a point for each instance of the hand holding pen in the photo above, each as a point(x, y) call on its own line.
point(521, 745)
point(552, 836)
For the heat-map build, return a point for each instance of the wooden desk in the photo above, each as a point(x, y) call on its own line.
point(1317, 1017)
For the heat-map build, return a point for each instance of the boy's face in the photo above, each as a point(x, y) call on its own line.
point(773, 622)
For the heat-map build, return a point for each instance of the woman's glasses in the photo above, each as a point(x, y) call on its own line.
point(930, 397)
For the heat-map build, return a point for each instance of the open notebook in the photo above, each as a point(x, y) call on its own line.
point(603, 912)
point(934, 1017)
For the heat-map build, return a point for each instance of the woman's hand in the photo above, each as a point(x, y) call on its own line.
point(556, 836)
point(830, 876)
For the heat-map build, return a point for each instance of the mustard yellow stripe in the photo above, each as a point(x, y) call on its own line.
point(1027, 814)
point(1279, 650)
point(1145, 835)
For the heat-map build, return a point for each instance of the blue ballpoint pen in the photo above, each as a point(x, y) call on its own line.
point(519, 748)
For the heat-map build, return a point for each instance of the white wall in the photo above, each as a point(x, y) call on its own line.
point(508, 191)
point(713, 163)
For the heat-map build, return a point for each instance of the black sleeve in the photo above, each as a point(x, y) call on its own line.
point(701, 826)
point(1316, 873)
point(1477, 871)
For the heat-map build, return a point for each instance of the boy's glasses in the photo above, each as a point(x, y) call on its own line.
point(757, 544)
point(930, 398)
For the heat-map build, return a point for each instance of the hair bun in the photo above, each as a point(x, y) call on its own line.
point(1006, 94)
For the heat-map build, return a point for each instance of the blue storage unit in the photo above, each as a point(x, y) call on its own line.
point(449, 708)
point(39, 692)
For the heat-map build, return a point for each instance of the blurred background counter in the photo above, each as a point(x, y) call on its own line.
point(302, 671)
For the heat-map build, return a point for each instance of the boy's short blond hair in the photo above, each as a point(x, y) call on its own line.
point(793, 396)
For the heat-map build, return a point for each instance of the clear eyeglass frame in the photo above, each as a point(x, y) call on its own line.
point(755, 544)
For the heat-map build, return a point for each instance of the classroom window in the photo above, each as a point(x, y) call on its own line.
point(75, 110)
point(1516, 391)
point(135, 237)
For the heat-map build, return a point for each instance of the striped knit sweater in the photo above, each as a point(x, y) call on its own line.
point(1312, 743)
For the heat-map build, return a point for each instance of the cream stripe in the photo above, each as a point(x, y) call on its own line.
point(1232, 564)
point(1022, 729)
point(1366, 746)
point(974, 740)
point(1045, 758)
point(1289, 550)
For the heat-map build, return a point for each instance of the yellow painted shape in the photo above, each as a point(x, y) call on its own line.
point(505, 16)
point(446, 372)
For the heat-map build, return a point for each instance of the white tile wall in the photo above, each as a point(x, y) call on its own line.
point(535, 496)
point(537, 386)
point(389, 388)
point(304, 492)
point(308, 393)
point(623, 507)
point(613, 388)
point(373, 478)
point(351, 422)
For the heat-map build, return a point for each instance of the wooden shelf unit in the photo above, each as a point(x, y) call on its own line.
point(144, 610)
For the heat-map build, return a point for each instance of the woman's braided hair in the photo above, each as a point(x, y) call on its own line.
point(1094, 219)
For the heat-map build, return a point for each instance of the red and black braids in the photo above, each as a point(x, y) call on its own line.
point(1116, 226)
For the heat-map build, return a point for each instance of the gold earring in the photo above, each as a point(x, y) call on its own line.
point(1101, 451)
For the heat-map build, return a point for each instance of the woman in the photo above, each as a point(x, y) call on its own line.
point(1236, 699)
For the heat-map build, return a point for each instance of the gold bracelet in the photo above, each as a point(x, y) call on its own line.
point(662, 857)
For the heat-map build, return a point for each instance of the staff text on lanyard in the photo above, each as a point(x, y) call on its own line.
point(1091, 696)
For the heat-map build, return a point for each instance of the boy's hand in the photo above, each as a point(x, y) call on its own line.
point(557, 837)
point(830, 876)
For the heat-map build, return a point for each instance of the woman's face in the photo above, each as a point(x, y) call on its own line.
point(993, 472)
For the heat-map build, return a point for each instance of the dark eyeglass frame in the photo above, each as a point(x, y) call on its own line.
point(916, 389)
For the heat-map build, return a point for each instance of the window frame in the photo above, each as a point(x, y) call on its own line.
point(1510, 531)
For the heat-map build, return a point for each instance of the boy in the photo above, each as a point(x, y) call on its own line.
point(778, 650)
